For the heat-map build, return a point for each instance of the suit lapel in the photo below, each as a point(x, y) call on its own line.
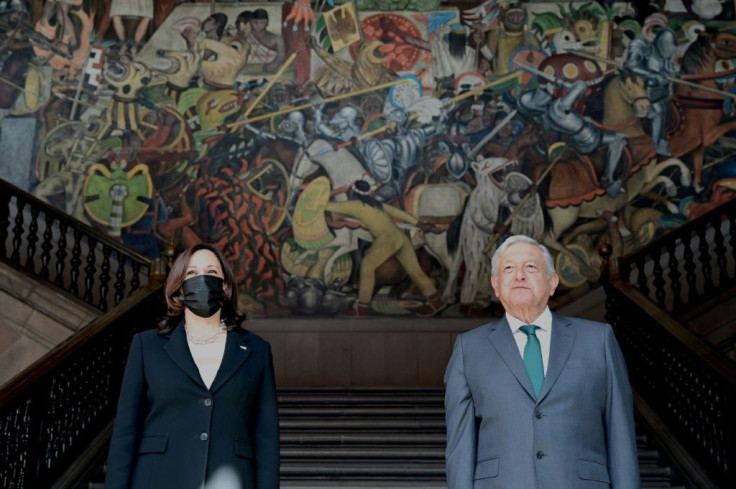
point(178, 350)
point(503, 341)
point(237, 351)
point(563, 337)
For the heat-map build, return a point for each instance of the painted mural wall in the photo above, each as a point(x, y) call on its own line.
point(367, 157)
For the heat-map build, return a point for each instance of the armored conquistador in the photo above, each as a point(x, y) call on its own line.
point(390, 159)
point(558, 115)
point(653, 62)
point(343, 125)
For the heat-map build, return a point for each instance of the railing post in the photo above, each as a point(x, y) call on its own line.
point(104, 276)
point(32, 238)
point(674, 276)
point(706, 268)
point(75, 263)
point(119, 284)
point(89, 277)
point(46, 245)
point(18, 231)
point(720, 250)
point(4, 225)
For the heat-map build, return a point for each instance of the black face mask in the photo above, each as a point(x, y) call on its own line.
point(203, 294)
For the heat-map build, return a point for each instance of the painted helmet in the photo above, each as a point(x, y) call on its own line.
point(666, 42)
point(345, 117)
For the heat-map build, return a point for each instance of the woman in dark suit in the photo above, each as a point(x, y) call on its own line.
point(198, 402)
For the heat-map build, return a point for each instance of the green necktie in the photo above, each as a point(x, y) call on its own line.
point(533, 358)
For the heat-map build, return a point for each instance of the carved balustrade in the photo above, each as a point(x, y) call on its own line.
point(688, 266)
point(73, 256)
point(51, 413)
point(686, 381)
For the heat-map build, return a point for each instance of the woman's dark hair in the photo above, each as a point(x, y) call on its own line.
point(260, 14)
point(172, 291)
point(221, 22)
point(243, 18)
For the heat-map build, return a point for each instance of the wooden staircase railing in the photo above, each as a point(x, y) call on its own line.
point(680, 379)
point(53, 410)
point(49, 245)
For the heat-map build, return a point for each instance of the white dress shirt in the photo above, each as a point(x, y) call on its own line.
point(544, 333)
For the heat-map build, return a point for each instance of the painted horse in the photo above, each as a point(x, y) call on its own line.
point(574, 190)
point(698, 113)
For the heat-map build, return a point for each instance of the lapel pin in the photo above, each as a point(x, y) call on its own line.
point(243, 347)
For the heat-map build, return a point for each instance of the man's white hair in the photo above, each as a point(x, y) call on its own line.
point(520, 238)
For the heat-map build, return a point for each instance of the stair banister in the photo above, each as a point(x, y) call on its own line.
point(684, 380)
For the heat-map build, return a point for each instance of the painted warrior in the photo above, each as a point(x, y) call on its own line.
point(653, 61)
point(559, 114)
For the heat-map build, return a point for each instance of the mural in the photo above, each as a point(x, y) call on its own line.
point(365, 158)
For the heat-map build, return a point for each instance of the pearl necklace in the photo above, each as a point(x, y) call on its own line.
point(209, 339)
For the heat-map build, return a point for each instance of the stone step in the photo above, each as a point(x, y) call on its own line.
point(387, 399)
point(383, 439)
point(364, 439)
point(383, 471)
point(289, 484)
point(375, 412)
point(362, 453)
point(348, 425)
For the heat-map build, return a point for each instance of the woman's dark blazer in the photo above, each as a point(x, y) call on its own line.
point(173, 432)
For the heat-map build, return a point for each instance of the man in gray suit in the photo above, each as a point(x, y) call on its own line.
point(536, 400)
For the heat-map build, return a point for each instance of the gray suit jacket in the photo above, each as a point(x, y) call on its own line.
point(579, 434)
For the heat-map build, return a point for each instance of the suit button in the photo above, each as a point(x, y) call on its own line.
point(204, 437)
point(540, 454)
point(208, 402)
point(538, 414)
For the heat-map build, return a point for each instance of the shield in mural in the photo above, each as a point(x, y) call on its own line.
point(117, 198)
point(307, 255)
point(528, 56)
point(402, 55)
point(469, 81)
point(309, 224)
point(568, 268)
point(403, 95)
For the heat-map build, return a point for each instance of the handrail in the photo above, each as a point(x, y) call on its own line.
point(54, 409)
point(685, 380)
point(689, 264)
point(67, 348)
point(51, 411)
point(705, 352)
point(680, 377)
point(48, 244)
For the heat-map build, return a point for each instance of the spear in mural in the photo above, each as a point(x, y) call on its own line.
point(309, 106)
point(270, 84)
point(672, 79)
point(457, 98)
point(490, 135)
point(11, 84)
point(80, 87)
point(363, 91)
